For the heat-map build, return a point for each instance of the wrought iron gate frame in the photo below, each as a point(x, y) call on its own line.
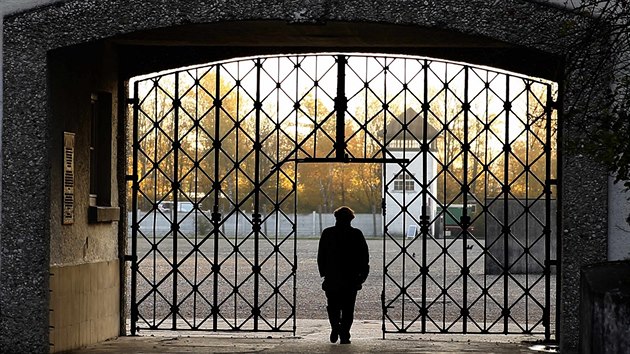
point(465, 223)
point(340, 154)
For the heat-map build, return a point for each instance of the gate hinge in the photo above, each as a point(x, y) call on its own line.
point(130, 258)
point(383, 205)
point(131, 178)
point(132, 101)
point(552, 182)
point(551, 263)
point(551, 106)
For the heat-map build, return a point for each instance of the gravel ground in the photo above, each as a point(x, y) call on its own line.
point(195, 291)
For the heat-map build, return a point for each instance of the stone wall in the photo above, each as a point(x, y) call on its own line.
point(605, 308)
point(526, 241)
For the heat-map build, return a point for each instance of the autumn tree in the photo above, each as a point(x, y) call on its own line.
point(446, 114)
point(189, 123)
point(210, 124)
point(318, 182)
point(598, 45)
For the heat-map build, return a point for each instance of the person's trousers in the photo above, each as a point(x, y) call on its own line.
point(341, 311)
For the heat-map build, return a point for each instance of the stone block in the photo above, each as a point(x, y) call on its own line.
point(526, 240)
point(605, 308)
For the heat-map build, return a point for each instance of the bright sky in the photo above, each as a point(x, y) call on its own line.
point(379, 77)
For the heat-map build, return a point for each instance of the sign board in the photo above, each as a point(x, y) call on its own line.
point(412, 231)
point(68, 178)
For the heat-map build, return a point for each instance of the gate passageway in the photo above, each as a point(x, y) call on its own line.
point(312, 337)
point(460, 161)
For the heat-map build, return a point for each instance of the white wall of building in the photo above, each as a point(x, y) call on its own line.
point(618, 228)
point(399, 223)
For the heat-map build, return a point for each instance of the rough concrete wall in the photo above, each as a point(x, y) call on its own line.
point(26, 139)
point(8, 7)
point(83, 310)
point(584, 218)
point(26, 203)
point(75, 74)
point(583, 192)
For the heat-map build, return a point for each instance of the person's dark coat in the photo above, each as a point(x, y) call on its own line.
point(343, 258)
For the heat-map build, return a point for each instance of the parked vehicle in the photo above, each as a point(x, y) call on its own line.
point(167, 206)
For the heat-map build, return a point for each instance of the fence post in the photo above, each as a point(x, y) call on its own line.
point(374, 232)
point(320, 220)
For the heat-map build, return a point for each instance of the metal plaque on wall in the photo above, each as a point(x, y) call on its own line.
point(68, 178)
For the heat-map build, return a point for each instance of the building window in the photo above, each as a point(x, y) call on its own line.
point(101, 149)
point(400, 144)
point(404, 182)
point(101, 120)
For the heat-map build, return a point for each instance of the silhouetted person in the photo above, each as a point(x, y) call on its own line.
point(343, 261)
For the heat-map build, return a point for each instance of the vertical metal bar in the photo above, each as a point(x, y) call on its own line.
point(485, 201)
point(174, 225)
point(465, 219)
point(237, 191)
point(156, 130)
point(528, 90)
point(425, 186)
point(506, 203)
point(405, 214)
point(316, 100)
point(365, 122)
point(295, 264)
point(236, 171)
point(134, 215)
point(546, 311)
point(559, 220)
point(295, 204)
point(216, 216)
point(444, 249)
point(341, 104)
point(197, 207)
point(277, 198)
point(256, 216)
point(276, 210)
point(383, 207)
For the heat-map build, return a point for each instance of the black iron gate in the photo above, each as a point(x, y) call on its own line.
point(469, 235)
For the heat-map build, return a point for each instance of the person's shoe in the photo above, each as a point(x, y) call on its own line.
point(334, 336)
point(344, 341)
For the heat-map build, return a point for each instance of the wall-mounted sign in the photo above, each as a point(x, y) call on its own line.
point(68, 178)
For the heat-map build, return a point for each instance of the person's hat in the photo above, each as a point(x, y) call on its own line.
point(344, 213)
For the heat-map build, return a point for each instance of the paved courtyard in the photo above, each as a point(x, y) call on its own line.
point(485, 295)
point(312, 337)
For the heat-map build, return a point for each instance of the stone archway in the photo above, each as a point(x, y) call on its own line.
point(38, 42)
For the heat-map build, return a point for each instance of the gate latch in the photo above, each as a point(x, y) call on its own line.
point(130, 258)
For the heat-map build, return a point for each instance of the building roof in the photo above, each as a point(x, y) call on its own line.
point(414, 124)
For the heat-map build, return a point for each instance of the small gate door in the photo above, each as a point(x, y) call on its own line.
point(470, 231)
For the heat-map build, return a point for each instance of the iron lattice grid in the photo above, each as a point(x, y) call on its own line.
point(224, 141)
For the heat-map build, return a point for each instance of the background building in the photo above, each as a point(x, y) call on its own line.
point(403, 182)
